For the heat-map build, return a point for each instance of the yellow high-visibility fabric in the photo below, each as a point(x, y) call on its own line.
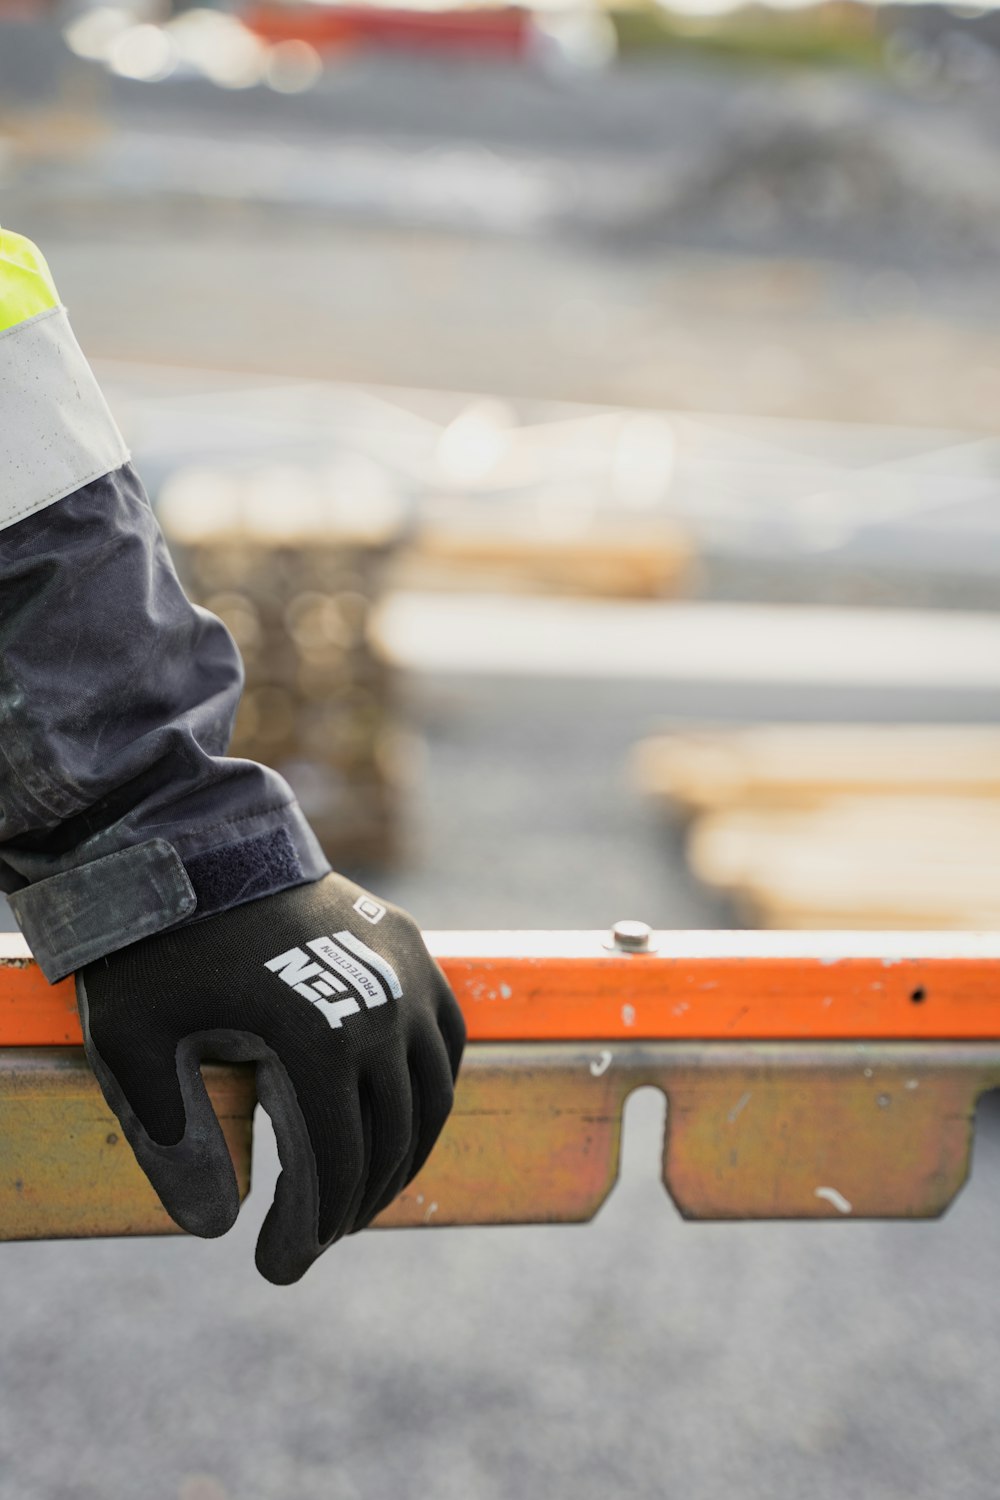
point(56, 432)
point(26, 285)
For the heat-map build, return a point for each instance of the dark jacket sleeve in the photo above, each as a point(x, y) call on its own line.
point(121, 814)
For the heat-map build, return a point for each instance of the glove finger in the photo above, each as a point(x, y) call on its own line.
point(389, 1130)
point(405, 1172)
point(451, 1024)
point(430, 1069)
point(434, 1088)
point(192, 1174)
point(298, 1227)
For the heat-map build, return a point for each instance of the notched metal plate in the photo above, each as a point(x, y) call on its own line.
point(754, 1130)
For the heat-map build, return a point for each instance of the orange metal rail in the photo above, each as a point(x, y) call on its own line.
point(704, 986)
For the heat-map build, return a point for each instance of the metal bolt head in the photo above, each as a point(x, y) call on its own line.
point(631, 937)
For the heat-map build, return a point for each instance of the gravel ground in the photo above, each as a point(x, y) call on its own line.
point(638, 1356)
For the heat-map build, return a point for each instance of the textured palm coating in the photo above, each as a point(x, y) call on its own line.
point(356, 1066)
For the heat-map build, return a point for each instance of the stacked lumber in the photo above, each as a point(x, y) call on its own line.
point(294, 572)
point(646, 559)
point(548, 499)
point(839, 826)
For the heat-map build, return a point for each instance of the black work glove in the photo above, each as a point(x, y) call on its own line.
point(357, 1040)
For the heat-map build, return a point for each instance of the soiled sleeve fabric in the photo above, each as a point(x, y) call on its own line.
point(120, 813)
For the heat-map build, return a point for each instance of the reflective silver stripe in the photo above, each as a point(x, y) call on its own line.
point(56, 432)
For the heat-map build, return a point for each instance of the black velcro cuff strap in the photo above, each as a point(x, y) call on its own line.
point(242, 871)
point(74, 918)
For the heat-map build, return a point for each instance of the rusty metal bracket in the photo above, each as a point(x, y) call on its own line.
point(807, 1076)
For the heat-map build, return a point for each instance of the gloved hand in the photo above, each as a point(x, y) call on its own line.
point(357, 1040)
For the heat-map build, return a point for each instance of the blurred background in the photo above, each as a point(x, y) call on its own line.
point(585, 417)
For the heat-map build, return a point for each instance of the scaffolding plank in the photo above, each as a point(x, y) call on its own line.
point(805, 765)
point(867, 862)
